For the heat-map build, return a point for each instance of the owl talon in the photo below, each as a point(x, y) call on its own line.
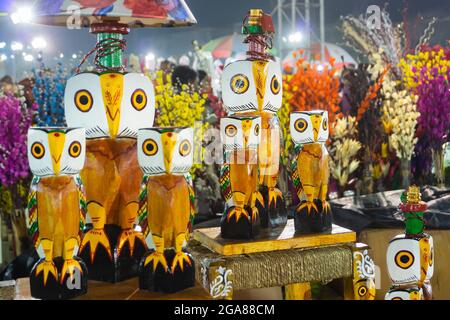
point(274, 194)
point(69, 267)
point(129, 236)
point(255, 214)
point(326, 206)
point(237, 212)
point(48, 267)
point(179, 259)
point(257, 196)
point(156, 258)
point(308, 205)
point(95, 237)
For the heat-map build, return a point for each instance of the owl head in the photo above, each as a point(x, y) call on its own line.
point(240, 132)
point(309, 126)
point(414, 293)
point(56, 151)
point(410, 260)
point(165, 150)
point(110, 104)
point(252, 86)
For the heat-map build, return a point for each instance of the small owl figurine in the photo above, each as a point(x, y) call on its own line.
point(166, 207)
point(253, 88)
point(310, 172)
point(240, 137)
point(111, 106)
point(56, 211)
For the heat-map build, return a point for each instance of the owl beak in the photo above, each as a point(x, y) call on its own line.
point(56, 141)
point(260, 77)
point(112, 91)
point(169, 139)
point(316, 122)
point(246, 128)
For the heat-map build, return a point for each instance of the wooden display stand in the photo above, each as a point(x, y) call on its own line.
point(277, 257)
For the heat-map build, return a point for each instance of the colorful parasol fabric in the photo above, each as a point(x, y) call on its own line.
point(228, 46)
point(134, 13)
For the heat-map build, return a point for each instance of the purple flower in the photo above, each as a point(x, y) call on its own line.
point(15, 120)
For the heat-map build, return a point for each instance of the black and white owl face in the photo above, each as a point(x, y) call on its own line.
point(56, 151)
point(252, 86)
point(309, 126)
point(414, 293)
point(240, 132)
point(110, 104)
point(165, 150)
point(410, 260)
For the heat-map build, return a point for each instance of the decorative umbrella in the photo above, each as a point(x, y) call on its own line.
point(228, 46)
point(134, 13)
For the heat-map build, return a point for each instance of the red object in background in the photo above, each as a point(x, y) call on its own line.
point(146, 8)
point(97, 4)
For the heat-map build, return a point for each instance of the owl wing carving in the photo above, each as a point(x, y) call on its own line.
point(143, 208)
point(82, 203)
point(33, 226)
point(225, 182)
point(294, 172)
point(191, 191)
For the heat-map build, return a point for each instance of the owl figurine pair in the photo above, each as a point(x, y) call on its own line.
point(111, 106)
point(310, 172)
point(57, 211)
point(410, 256)
point(252, 95)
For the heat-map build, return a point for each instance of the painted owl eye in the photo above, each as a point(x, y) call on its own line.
point(362, 291)
point(83, 100)
point(275, 85)
point(404, 259)
point(37, 150)
point(185, 148)
point(397, 298)
point(301, 125)
point(257, 130)
point(239, 84)
point(430, 262)
point(325, 124)
point(230, 130)
point(139, 99)
point(150, 147)
point(75, 149)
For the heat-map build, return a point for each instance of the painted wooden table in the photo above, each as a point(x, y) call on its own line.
point(276, 258)
point(125, 290)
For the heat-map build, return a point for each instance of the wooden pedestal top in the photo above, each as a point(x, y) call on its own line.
point(281, 238)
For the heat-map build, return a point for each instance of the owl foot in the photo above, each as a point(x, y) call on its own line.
point(179, 259)
point(274, 194)
point(47, 267)
point(308, 205)
point(156, 258)
point(70, 267)
point(255, 214)
point(326, 206)
point(95, 237)
point(238, 213)
point(257, 196)
point(129, 236)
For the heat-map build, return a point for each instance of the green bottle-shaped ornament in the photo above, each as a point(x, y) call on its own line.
point(413, 210)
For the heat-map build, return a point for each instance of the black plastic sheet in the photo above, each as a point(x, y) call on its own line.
point(380, 210)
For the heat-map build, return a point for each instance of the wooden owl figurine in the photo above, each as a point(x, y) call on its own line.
point(410, 256)
point(166, 207)
point(56, 211)
point(310, 172)
point(111, 106)
point(253, 88)
point(240, 136)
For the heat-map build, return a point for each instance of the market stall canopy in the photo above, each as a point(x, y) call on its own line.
point(341, 56)
point(228, 46)
point(134, 13)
